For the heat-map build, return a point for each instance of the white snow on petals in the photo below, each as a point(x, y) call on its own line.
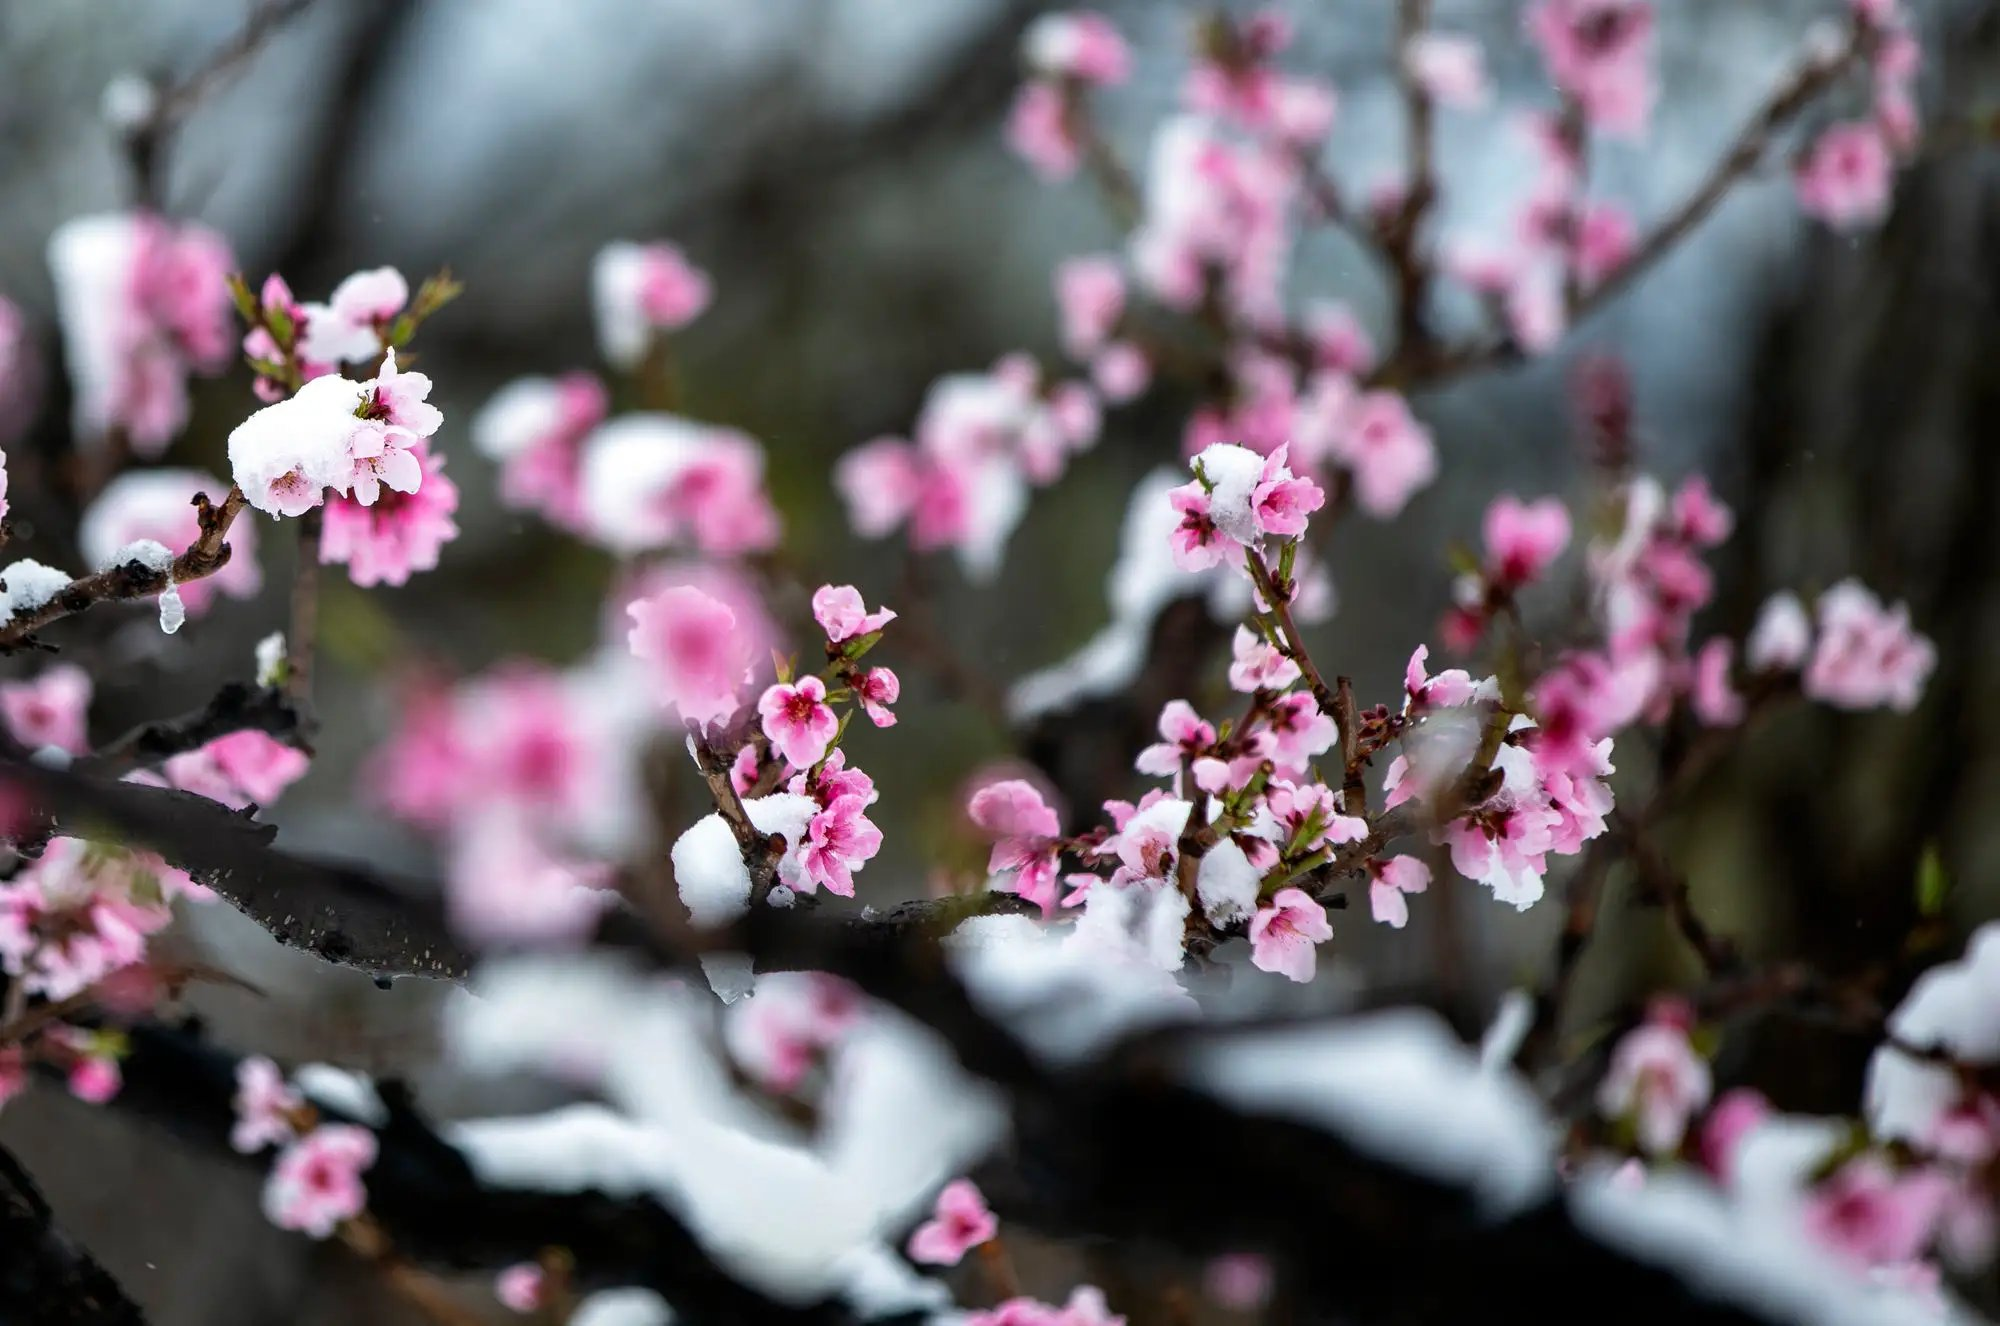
point(1232, 473)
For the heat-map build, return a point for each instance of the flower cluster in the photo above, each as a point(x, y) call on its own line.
point(1844, 177)
point(144, 304)
point(980, 441)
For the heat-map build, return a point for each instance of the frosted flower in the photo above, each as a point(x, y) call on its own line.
point(286, 455)
point(352, 327)
point(637, 289)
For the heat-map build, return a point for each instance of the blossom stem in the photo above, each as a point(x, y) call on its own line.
point(302, 637)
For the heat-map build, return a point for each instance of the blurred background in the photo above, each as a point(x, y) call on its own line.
point(837, 166)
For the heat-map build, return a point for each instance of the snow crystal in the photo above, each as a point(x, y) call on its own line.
point(342, 1089)
point(1952, 1006)
point(1233, 473)
point(630, 1306)
point(1142, 924)
point(1227, 884)
point(1739, 1253)
point(708, 865)
point(1509, 1028)
point(129, 101)
point(787, 1212)
point(30, 585)
point(714, 883)
point(1063, 997)
point(1399, 1084)
point(271, 659)
point(149, 553)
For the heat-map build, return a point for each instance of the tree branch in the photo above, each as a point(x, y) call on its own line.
point(46, 1279)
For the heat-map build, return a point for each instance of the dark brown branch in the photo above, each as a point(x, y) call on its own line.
point(236, 707)
point(342, 913)
point(46, 1279)
point(304, 633)
point(134, 580)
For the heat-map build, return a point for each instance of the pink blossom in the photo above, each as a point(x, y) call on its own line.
point(1606, 236)
point(1239, 1281)
point(1505, 847)
point(1197, 543)
point(158, 504)
point(1390, 881)
point(1257, 665)
point(535, 428)
point(400, 534)
point(798, 720)
point(1299, 730)
point(699, 657)
point(1450, 68)
point(509, 888)
point(876, 689)
point(240, 769)
point(1340, 344)
point(1448, 689)
point(1523, 538)
point(1389, 452)
point(1845, 177)
point(1280, 501)
point(265, 1106)
point(1121, 371)
point(1026, 834)
point(1716, 702)
point(881, 483)
point(316, 1182)
point(1870, 1215)
point(1183, 737)
point(1090, 292)
point(522, 1287)
point(20, 383)
point(1038, 129)
point(51, 709)
point(842, 615)
point(1867, 655)
point(353, 325)
point(1600, 52)
point(1657, 1080)
point(1284, 932)
point(1735, 1114)
point(94, 1079)
point(839, 840)
point(959, 1224)
point(638, 290)
point(1080, 44)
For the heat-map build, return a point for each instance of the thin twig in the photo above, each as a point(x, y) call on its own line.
point(133, 580)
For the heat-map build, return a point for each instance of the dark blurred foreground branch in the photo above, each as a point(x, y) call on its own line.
point(45, 1278)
